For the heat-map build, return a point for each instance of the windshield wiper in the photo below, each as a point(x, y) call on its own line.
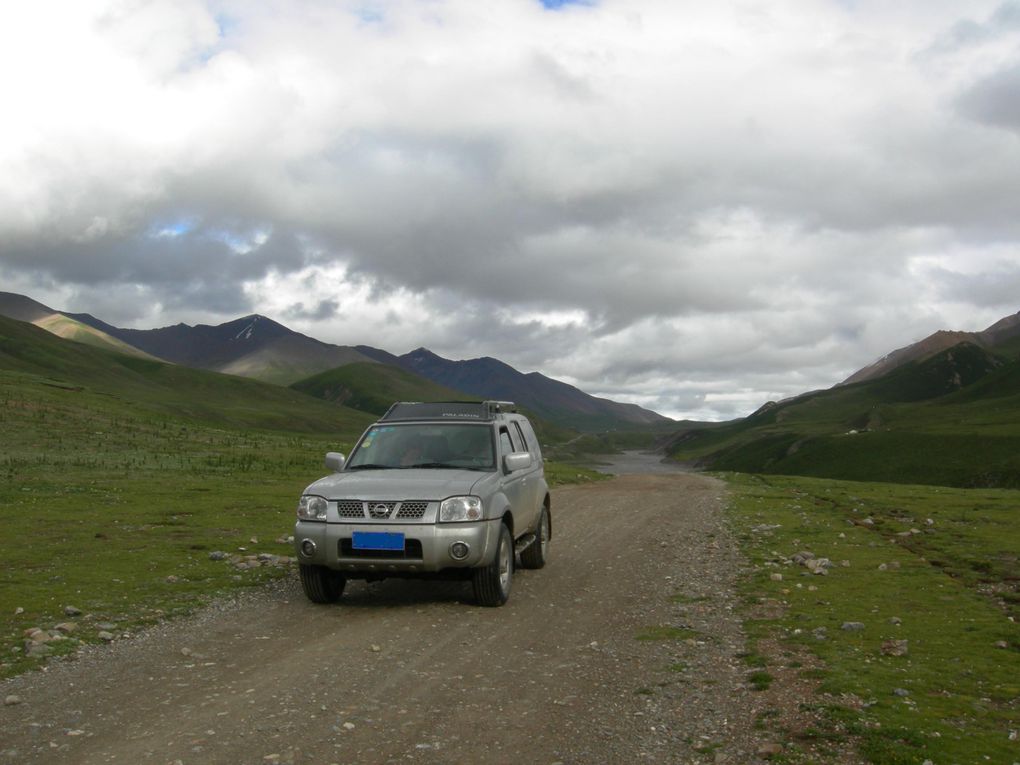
point(370, 466)
point(436, 465)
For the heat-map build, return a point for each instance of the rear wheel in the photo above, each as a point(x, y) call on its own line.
point(321, 584)
point(492, 583)
point(535, 554)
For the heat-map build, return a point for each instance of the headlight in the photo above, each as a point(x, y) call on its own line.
point(461, 509)
point(312, 508)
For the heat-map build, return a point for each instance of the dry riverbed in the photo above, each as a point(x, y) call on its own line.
point(625, 648)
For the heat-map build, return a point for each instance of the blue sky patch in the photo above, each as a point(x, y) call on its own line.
point(555, 5)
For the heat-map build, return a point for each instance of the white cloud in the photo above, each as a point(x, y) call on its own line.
point(690, 204)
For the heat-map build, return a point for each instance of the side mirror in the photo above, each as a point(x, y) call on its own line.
point(517, 461)
point(335, 461)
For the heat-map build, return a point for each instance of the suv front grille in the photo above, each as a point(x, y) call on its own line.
point(408, 510)
point(350, 508)
point(415, 509)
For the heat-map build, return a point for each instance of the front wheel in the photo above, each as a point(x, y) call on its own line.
point(321, 584)
point(492, 583)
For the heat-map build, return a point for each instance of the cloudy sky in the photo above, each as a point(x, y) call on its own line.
point(693, 206)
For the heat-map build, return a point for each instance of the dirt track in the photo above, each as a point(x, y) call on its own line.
point(414, 672)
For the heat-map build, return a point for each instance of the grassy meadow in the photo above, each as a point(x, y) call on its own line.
point(935, 567)
point(114, 509)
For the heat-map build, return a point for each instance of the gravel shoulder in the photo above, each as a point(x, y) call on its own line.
point(414, 672)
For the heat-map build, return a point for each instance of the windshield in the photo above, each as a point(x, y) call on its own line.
point(465, 447)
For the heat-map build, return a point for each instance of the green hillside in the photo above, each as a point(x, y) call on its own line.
point(953, 419)
point(372, 387)
point(71, 329)
point(31, 357)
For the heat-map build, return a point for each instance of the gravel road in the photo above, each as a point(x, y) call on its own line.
point(413, 672)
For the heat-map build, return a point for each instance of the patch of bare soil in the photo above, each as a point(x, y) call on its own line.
point(625, 648)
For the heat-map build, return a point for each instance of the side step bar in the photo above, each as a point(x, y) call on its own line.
point(524, 543)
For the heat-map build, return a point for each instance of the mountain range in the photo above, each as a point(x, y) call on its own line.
point(942, 411)
point(257, 347)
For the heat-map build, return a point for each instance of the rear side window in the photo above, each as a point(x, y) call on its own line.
point(506, 445)
point(525, 446)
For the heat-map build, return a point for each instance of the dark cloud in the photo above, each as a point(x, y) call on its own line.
point(321, 311)
point(994, 100)
point(693, 206)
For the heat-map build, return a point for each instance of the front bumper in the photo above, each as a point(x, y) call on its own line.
point(426, 546)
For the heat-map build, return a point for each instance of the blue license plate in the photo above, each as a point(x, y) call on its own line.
point(377, 540)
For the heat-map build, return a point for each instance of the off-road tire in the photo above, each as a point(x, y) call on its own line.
point(535, 554)
point(321, 584)
point(493, 582)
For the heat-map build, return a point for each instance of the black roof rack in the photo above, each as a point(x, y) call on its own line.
point(452, 410)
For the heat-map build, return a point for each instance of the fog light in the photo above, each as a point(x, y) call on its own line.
point(459, 550)
point(308, 548)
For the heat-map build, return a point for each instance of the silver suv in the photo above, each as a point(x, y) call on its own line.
point(444, 490)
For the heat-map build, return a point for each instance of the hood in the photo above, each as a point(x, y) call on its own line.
point(425, 484)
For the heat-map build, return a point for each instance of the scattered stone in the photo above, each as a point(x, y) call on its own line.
point(254, 540)
point(348, 726)
point(776, 577)
point(852, 626)
point(802, 557)
point(882, 567)
point(1001, 644)
point(818, 566)
point(19, 611)
point(895, 648)
point(12, 700)
point(72, 611)
point(37, 650)
point(66, 627)
point(218, 555)
point(900, 692)
point(867, 522)
point(109, 626)
point(895, 620)
point(375, 648)
point(172, 579)
point(106, 636)
point(820, 633)
point(185, 652)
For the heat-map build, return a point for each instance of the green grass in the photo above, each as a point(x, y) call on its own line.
point(559, 474)
point(949, 591)
point(101, 502)
point(665, 632)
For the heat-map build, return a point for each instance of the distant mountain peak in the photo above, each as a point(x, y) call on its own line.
point(941, 340)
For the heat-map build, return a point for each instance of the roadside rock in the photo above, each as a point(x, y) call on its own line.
point(895, 647)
